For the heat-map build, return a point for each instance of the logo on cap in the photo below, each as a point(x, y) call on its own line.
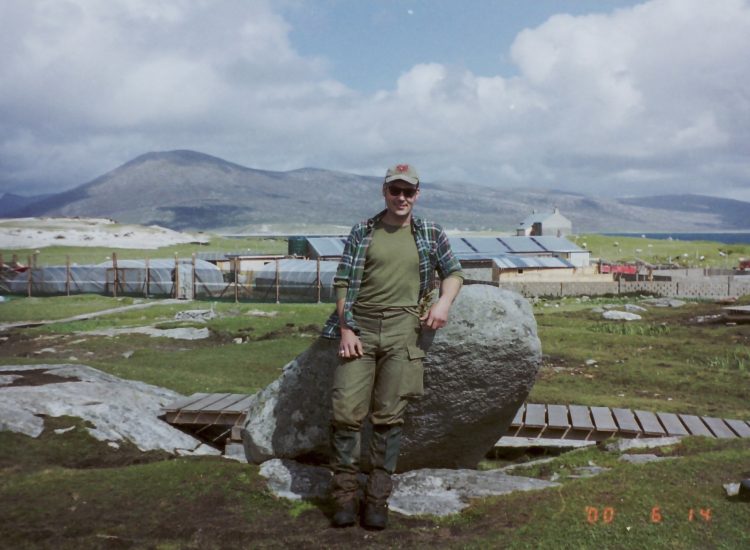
point(402, 168)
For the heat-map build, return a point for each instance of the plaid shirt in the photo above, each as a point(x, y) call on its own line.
point(433, 248)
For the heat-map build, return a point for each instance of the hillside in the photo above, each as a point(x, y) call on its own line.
point(194, 191)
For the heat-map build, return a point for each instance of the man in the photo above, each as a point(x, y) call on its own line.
point(385, 275)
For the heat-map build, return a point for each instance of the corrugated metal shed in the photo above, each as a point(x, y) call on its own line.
point(531, 262)
point(326, 247)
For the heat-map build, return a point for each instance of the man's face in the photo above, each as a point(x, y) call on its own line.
point(400, 197)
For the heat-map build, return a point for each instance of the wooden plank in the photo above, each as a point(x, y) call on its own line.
point(580, 417)
point(228, 401)
point(518, 419)
point(603, 419)
point(626, 421)
point(672, 424)
point(740, 428)
point(649, 423)
point(183, 401)
point(535, 416)
point(240, 406)
point(557, 417)
point(695, 425)
point(210, 399)
point(717, 426)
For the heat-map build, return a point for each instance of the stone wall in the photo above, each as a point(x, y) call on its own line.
point(709, 287)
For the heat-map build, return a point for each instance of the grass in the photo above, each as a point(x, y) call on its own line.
point(662, 251)
point(71, 491)
point(665, 362)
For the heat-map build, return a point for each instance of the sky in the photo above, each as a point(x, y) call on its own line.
point(609, 98)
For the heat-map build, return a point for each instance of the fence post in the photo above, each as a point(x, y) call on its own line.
point(194, 278)
point(277, 280)
point(148, 276)
point(236, 269)
point(176, 289)
point(116, 278)
point(31, 269)
point(67, 275)
point(318, 277)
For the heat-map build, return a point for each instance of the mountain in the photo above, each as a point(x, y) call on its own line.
point(10, 203)
point(191, 190)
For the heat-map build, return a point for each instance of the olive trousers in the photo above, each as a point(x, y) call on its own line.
point(380, 383)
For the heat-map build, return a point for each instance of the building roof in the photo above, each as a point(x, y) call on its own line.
point(474, 248)
point(541, 217)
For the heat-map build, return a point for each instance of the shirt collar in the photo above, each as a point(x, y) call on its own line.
point(416, 222)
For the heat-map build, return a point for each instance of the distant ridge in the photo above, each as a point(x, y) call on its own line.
point(189, 190)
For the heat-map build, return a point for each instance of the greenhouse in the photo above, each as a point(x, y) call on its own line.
point(131, 277)
point(302, 279)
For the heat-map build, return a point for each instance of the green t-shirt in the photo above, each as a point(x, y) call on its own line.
point(391, 275)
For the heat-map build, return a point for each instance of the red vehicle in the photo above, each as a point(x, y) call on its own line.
point(628, 269)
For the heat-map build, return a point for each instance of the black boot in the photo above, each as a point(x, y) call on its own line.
point(379, 486)
point(345, 486)
point(344, 493)
point(385, 443)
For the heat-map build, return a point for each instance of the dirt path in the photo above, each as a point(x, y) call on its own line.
point(25, 324)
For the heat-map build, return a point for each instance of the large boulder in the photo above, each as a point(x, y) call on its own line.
point(479, 370)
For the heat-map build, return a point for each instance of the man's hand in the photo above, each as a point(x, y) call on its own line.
point(437, 316)
point(350, 347)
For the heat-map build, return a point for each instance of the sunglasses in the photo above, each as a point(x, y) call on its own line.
point(408, 192)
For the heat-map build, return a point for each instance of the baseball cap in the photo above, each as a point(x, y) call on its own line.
point(403, 172)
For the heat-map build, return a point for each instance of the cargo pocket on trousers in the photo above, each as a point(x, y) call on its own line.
point(412, 378)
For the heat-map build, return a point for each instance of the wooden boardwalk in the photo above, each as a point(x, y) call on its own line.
point(220, 416)
point(535, 420)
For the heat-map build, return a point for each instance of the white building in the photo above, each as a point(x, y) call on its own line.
point(552, 224)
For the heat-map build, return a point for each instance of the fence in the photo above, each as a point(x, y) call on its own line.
point(280, 279)
point(708, 287)
point(295, 280)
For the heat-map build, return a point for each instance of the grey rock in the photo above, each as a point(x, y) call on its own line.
point(479, 370)
point(664, 302)
point(644, 458)
point(185, 333)
point(438, 492)
point(597, 310)
point(613, 315)
point(646, 443)
point(235, 451)
point(200, 315)
point(732, 489)
point(442, 492)
point(292, 480)
point(118, 409)
point(588, 471)
point(634, 308)
point(7, 379)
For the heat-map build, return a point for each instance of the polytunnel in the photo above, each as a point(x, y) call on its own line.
point(297, 279)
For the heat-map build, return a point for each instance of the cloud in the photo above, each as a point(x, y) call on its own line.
point(647, 99)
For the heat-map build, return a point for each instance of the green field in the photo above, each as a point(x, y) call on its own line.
point(71, 491)
point(662, 251)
